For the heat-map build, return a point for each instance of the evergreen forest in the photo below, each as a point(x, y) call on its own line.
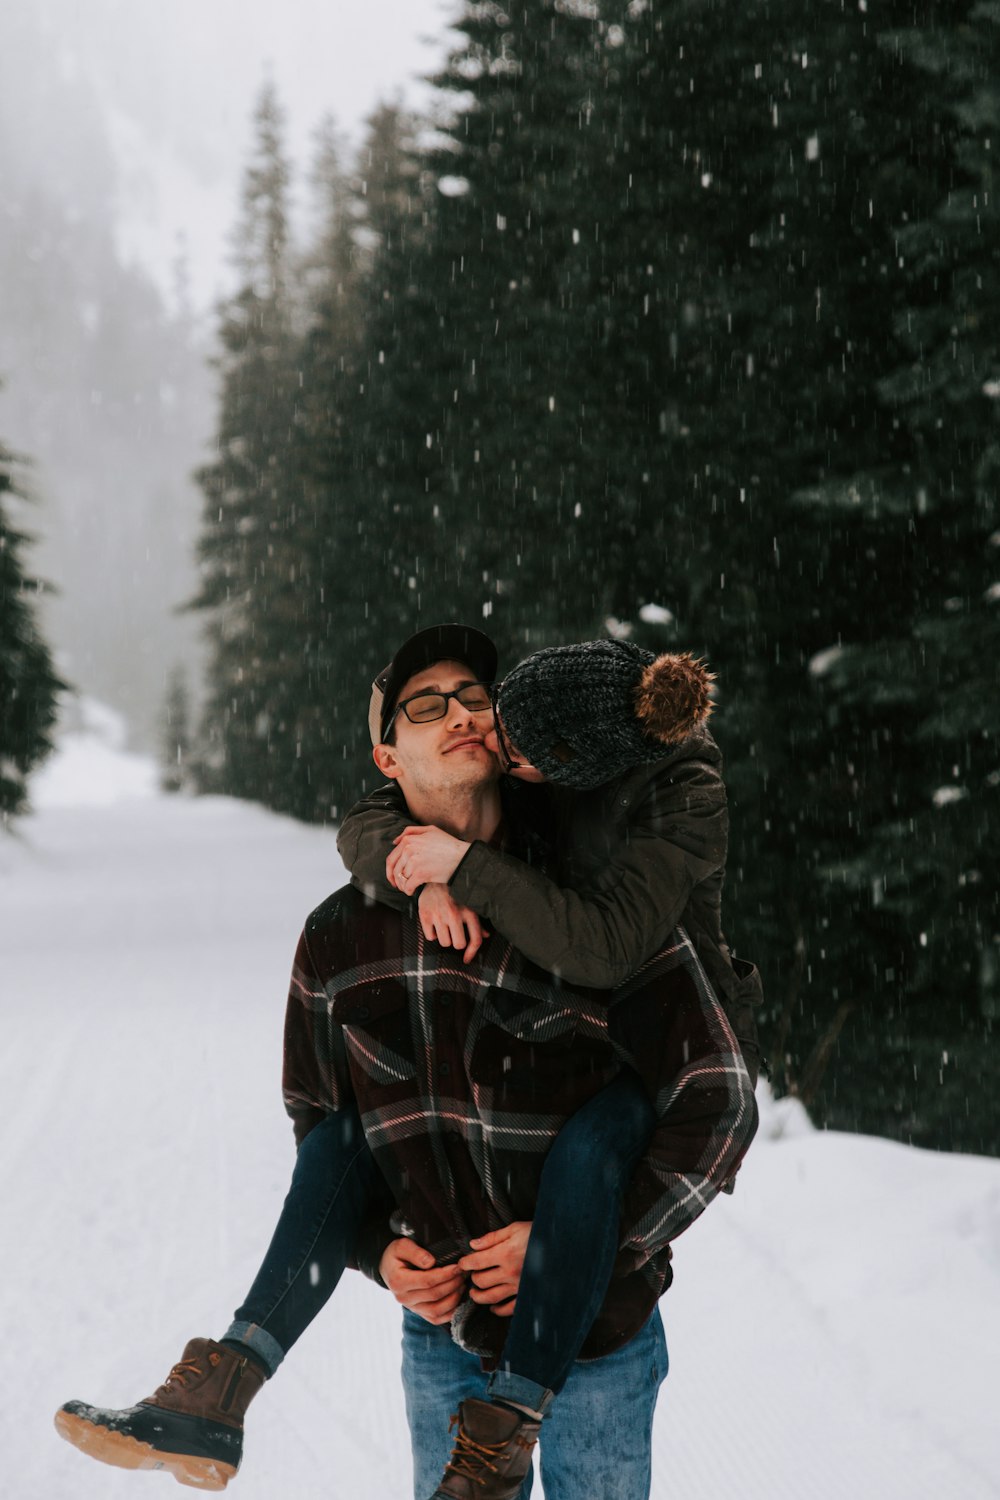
point(29, 686)
point(678, 321)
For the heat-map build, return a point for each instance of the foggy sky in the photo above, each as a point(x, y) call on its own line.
point(178, 83)
point(126, 131)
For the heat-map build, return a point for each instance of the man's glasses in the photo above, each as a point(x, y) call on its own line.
point(424, 708)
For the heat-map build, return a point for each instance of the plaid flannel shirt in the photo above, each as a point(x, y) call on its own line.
point(464, 1074)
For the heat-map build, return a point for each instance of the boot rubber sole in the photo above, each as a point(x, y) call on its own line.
point(123, 1452)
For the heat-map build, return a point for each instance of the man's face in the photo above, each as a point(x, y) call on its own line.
point(446, 754)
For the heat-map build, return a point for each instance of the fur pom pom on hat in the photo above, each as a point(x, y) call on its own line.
point(584, 714)
point(674, 696)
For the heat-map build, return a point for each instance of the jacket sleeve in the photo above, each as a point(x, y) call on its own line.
point(316, 1082)
point(677, 837)
point(670, 1027)
point(315, 1078)
point(364, 842)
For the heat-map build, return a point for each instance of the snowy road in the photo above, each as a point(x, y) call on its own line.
point(840, 1316)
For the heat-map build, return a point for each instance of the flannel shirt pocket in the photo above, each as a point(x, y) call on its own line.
point(527, 1050)
point(377, 1030)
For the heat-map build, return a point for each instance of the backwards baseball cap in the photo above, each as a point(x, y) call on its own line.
point(437, 643)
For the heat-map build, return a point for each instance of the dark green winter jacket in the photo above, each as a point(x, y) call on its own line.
point(636, 857)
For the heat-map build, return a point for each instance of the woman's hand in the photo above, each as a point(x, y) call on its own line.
point(423, 855)
point(449, 924)
point(495, 1265)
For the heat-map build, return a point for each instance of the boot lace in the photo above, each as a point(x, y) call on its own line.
point(180, 1373)
point(470, 1458)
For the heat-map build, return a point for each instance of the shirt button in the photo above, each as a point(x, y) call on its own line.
point(445, 1069)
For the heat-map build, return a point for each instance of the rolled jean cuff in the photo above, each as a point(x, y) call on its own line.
point(266, 1347)
point(503, 1385)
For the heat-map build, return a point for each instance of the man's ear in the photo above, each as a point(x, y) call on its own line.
point(385, 758)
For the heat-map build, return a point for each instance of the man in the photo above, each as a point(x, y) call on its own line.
point(464, 1074)
point(469, 1081)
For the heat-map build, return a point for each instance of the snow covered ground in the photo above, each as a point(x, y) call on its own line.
point(842, 1311)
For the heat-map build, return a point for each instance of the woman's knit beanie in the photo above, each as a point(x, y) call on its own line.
point(583, 714)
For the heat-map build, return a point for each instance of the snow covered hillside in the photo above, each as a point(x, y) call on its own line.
point(833, 1328)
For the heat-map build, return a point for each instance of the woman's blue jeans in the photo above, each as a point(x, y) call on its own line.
point(574, 1241)
point(333, 1186)
point(568, 1263)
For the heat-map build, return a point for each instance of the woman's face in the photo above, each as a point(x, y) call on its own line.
point(513, 763)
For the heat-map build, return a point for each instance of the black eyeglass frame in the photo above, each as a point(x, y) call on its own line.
point(507, 760)
point(428, 693)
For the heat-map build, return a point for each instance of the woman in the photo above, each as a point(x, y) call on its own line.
point(639, 827)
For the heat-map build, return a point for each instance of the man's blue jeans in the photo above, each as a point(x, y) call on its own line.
point(596, 1441)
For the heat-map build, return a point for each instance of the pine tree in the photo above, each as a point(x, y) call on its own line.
point(28, 683)
point(333, 518)
point(176, 749)
point(925, 865)
point(526, 409)
point(830, 329)
point(764, 158)
point(398, 389)
point(248, 558)
point(368, 359)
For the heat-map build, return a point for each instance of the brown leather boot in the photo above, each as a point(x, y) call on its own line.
point(191, 1426)
point(492, 1453)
